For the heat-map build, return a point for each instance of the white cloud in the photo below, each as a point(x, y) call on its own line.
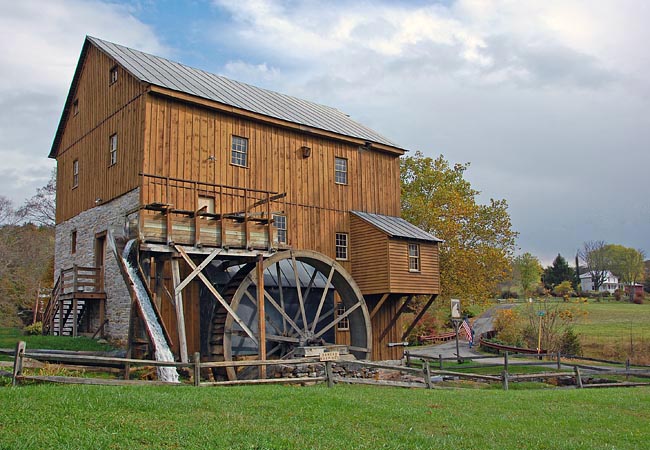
point(40, 43)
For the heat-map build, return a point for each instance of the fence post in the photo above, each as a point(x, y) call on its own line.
point(197, 369)
point(18, 362)
point(576, 369)
point(504, 376)
point(440, 361)
point(427, 374)
point(328, 374)
point(627, 369)
point(505, 361)
point(408, 358)
point(559, 361)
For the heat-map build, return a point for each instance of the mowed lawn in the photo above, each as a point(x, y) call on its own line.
point(277, 417)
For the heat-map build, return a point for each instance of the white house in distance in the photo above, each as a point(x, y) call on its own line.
point(609, 285)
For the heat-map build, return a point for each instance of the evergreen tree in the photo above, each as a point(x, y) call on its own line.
point(558, 272)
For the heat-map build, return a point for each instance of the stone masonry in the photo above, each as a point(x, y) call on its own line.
point(108, 216)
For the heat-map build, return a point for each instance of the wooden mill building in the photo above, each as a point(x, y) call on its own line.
point(231, 191)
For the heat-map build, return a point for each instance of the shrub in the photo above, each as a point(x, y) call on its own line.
point(638, 298)
point(508, 326)
point(618, 295)
point(509, 294)
point(569, 343)
point(33, 330)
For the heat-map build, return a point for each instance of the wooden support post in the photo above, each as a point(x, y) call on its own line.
point(396, 317)
point(440, 361)
point(180, 315)
point(559, 361)
point(505, 360)
point(419, 316)
point(408, 358)
point(576, 370)
point(261, 313)
point(329, 374)
point(378, 306)
point(197, 369)
point(427, 374)
point(74, 316)
point(504, 377)
point(627, 368)
point(18, 362)
point(74, 278)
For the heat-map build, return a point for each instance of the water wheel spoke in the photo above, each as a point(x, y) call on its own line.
point(279, 275)
point(337, 320)
point(322, 299)
point(277, 338)
point(300, 299)
point(310, 284)
point(277, 307)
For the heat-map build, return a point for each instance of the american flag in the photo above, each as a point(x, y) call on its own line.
point(468, 330)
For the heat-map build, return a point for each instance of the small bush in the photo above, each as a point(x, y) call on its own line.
point(509, 294)
point(638, 298)
point(618, 295)
point(570, 343)
point(34, 330)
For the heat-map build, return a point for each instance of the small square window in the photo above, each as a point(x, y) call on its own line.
point(112, 147)
point(112, 75)
point(239, 151)
point(342, 246)
point(75, 173)
point(75, 107)
point(73, 242)
point(414, 258)
point(280, 223)
point(340, 171)
point(344, 324)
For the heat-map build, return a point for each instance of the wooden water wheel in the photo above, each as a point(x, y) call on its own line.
point(308, 296)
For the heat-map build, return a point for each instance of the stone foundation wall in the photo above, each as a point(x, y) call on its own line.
point(108, 216)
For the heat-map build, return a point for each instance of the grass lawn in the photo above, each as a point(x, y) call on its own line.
point(9, 337)
point(51, 416)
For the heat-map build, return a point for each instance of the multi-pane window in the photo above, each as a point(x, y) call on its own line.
point(112, 75)
point(341, 171)
point(239, 150)
point(280, 223)
point(414, 257)
point(75, 173)
point(344, 324)
point(112, 146)
point(342, 246)
point(73, 242)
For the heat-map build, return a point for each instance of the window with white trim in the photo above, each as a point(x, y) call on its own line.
point(340, 170)
point(344, 324)
point(280, 223)
point(239, 151)
point(414, 258)
point(75, 173)
point(342, 246)
point(112, 146)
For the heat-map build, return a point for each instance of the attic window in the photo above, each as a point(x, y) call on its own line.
point(112, 75)
point(340, 171)
point(75, 107)
point(239, 151)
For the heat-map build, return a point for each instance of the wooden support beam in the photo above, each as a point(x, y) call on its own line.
point(180, 315)
point(419, 316)
point(397, 315)
point(196, 271)
point(216, 294)
point(261, 313)
point(75, 316)
point(378, 306)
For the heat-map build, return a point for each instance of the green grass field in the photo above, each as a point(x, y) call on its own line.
point(277, 417)
point(9, 337)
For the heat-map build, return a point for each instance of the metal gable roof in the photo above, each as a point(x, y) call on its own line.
point(178, 77)
point(396, 226)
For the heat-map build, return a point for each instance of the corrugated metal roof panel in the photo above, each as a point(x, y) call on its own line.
point(396, 226)
point(178, 77)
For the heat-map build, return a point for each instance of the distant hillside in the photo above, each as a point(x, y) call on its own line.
point(26, 262)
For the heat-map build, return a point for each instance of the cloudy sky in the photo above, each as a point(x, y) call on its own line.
point(548, 100)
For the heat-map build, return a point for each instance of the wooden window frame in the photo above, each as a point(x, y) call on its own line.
point(281, 230)
point(112, 149)
point(342, 246)
point(415, 263)
point(113, 75)
point(73, 242)
point(236, 150)
point(340, 171)
point(75, 173)
point(344, 324)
